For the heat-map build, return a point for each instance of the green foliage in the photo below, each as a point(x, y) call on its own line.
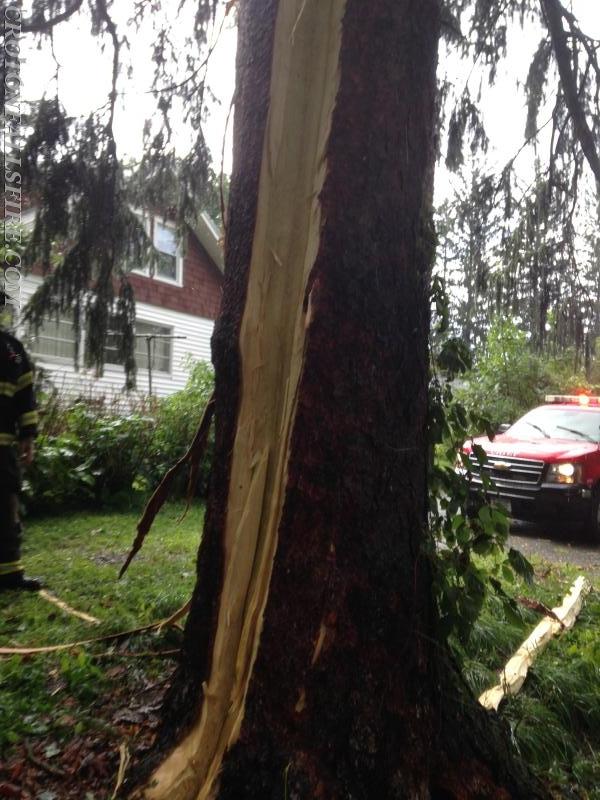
point(507, 379)
point(463, 526)
point(88, 455)
point(78, 555)
point(176, 422)
point(84, 679)
point(95, 460)
point(555, 718)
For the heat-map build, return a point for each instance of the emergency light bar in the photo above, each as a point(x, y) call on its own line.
point(575, 399)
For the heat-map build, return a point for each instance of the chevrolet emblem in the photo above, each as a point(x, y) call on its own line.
point(504, 466)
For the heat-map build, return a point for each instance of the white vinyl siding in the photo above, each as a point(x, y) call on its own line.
point(196, 346)
point(54, 339)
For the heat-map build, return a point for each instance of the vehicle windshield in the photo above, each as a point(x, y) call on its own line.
point(558, 423)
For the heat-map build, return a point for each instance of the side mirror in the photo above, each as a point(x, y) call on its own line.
point(503, 428)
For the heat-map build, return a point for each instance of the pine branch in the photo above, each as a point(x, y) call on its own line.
point(554, 13)
point(39, 24)
point(112, 30)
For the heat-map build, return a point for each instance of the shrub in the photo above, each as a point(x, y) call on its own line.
point(507, 379)
point(88, 453)
point(176, 420)
point(96, 459)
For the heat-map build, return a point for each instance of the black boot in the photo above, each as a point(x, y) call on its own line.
point(18, 581)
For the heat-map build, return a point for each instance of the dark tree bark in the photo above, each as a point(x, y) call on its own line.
point(311, 666)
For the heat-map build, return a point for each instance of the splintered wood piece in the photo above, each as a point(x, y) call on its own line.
point(277, 314)
point(124, 759)
point(67, 608)
point(514, 673)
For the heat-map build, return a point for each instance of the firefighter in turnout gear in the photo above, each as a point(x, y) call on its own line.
point(18, 429)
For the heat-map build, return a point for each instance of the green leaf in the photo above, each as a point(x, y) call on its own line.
point(521, 565)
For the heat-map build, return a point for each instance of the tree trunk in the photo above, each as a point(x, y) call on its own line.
point(311, 666)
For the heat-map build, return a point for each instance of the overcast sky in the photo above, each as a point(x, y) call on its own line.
point(84, 78)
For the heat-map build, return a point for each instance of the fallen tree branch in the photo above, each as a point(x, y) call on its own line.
point(191, 458)
point(67, 608)
point(514, 673)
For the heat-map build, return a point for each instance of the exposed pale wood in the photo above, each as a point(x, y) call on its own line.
point(67, 608)
point(124, 759)
point(287, 235)
point(514, 673)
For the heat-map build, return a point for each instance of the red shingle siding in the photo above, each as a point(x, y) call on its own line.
point(200, 294)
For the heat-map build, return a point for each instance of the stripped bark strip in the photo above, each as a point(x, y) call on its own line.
point(55, 648)
point(124, 759)
point(181, 612)
point(172, 652)
point(514, 673)
point(67, 608)
point(191, 458)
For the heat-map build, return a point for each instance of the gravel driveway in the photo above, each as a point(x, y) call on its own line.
point(567, 549)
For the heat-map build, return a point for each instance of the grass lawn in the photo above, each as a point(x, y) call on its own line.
point(555, 719)
point(70, 711)
point(65, 715)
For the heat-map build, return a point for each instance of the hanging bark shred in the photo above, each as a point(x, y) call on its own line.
point(514, 673)
point(191, 459)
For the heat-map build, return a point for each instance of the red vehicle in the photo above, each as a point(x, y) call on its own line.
point(546, 466)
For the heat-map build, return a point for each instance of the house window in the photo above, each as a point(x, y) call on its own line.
point(160, 348)
point(165, 242)
point(55, 339)
point(169, 261)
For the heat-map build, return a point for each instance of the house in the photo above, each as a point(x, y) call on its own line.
point(177, 304)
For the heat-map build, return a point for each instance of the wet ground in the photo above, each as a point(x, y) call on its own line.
point(560, 548)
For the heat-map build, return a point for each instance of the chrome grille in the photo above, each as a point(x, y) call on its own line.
point(512, 477)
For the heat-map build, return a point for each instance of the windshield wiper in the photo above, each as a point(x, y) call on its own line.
point(537, 427)
point(579, 433)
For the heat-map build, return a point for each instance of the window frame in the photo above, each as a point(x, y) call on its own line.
point(169, 330)
point(34, 337)
point(150, 222)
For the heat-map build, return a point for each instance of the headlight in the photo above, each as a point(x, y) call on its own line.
point(566, 472)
